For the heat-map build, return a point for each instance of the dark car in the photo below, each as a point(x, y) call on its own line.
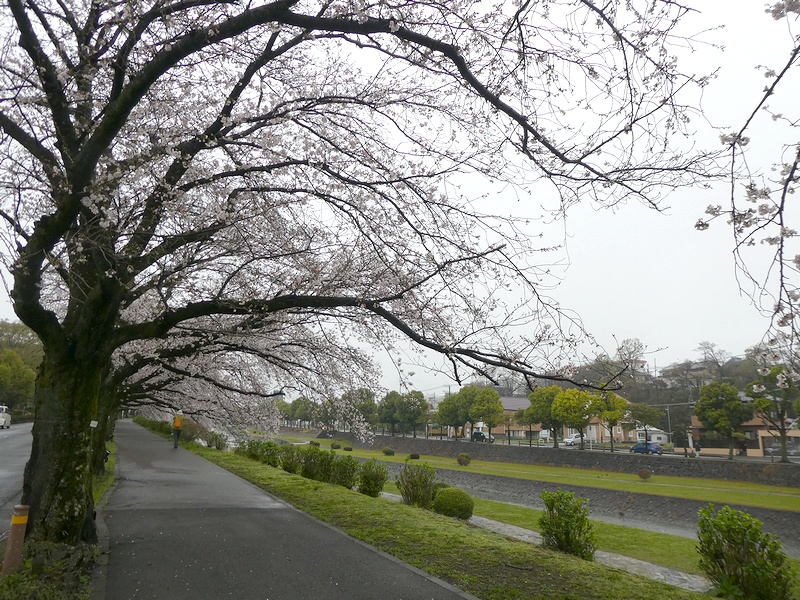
point(647, 448)
point(479, 436)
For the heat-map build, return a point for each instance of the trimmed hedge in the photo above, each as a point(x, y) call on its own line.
point(454, 502)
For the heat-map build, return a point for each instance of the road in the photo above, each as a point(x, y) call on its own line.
point(15, 449)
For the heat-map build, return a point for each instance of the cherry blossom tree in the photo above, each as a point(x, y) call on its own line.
point(199, 195)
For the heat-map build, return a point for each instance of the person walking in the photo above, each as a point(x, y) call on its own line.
point(177, 423)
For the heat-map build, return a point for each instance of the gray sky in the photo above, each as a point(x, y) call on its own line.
point(635, 273)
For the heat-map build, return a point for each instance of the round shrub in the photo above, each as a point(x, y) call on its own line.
point(453, 502)
point(463, 459)
point(413, 456)
point(347, 449)
point(313, 443)
point(388, 451)
point(439, 485)
point(644, 474)
point(335, 446)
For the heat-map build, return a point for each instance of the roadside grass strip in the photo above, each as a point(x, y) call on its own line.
point(486, 564)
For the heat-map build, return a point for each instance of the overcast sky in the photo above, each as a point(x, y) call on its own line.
point(635, 273)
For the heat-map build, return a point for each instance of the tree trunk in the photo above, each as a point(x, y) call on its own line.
point(782, 440)
point(58, 477)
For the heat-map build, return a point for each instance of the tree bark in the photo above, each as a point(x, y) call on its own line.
point(57, 484)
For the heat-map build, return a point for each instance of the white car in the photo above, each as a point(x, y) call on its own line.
point(5, 416)
point(573, 439)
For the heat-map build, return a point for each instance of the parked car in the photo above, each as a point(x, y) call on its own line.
point(5, 417)
point(647, 448)
point(572, 439)
point(479, 436)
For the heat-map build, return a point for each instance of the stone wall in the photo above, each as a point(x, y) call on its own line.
point(787, 475)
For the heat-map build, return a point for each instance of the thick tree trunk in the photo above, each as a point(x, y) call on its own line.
point(58, 477)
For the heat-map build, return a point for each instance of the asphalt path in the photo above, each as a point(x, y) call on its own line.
point(15, 450)
point(178, 527)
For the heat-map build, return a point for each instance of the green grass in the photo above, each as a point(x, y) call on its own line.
point(102, 483)
point(689, 488)
point(486, 564)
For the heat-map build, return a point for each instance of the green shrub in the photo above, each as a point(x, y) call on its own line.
point(454, 502)
point(324, 471)
point(438, 486)
point(266, 452)
point(416, 484)
point(388, 452)
point(215, 440)
point(313, 443)
point(348, 449)
point(291, 459)
point(463, 459)
point(413, 456)
point(644, 474)
point(371, 478)
point(565, 524)
point(270, 453)
point(335, 446)
point(344, 471)
point(316, 463)
point(741, 560)
point(190, 430)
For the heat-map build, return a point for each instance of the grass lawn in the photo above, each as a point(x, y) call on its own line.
point(484, 563)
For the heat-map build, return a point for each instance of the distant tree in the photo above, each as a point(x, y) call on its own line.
point(388, 409)
point(453, 411)
point(541, 410)
point(611, 409)
point(644, 416)
point(362, 400)
point(412, 409)
point(486, 407)
point(472, 394)
point(630, 354)
point(16, 380)
point(284, 408)
point(721, 409)
point(521, 418)
point(22, 340)
point(574, 408)
point(714, 360)
point(774, 393)
point(326, 413)
point(302, 409)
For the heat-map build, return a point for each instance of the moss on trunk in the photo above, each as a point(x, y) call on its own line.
point(58, 477)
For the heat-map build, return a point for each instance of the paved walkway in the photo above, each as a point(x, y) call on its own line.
point(177, 527)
